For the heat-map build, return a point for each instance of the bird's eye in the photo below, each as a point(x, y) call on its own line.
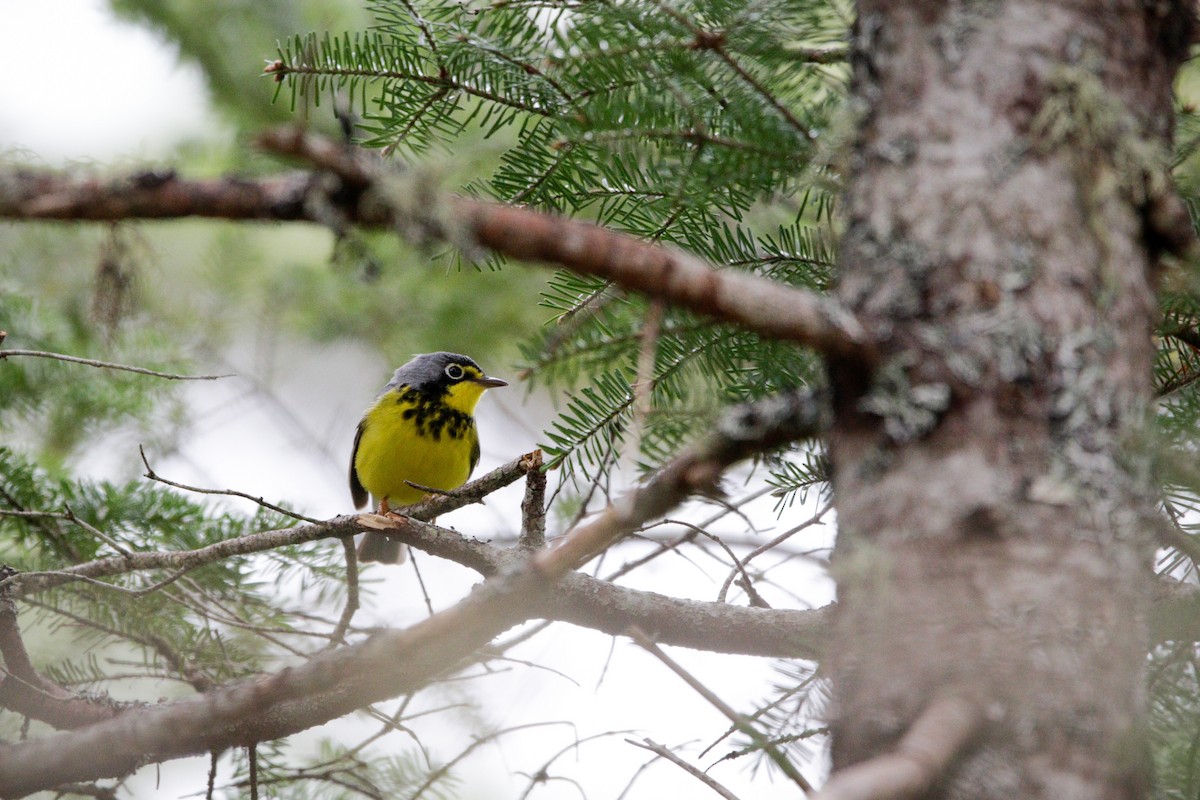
point(454, 372)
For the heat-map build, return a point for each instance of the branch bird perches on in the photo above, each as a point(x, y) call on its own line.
point(393, 662)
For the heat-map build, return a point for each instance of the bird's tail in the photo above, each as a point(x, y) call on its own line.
point(380, 548)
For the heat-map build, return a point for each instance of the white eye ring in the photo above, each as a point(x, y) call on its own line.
point(454, 372)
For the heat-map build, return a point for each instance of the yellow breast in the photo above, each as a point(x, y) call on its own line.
point(433, 444)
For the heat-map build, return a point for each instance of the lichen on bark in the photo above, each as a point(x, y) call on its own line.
point(996, 546)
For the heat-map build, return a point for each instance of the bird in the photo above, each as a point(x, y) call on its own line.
point(419, 430)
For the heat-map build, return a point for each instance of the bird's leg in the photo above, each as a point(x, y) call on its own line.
point(383, 506)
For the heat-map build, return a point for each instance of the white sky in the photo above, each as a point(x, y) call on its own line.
point(75, 83)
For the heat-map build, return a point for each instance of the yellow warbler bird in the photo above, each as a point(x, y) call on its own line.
point(420, 430)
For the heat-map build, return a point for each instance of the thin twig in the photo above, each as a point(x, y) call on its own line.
point(439, 773)
point(700, 775)
point(740, 565)
point(543, 772)
point(533, 506)
point(788, 416)
point(778, 701)
point(643, 384)
point(634, 777)
point(152, 475)
point(99, 534)
point(212, 774)
point(756, 600)
point(252, 757)
point(338, 635)
point(743, 724)
point(91, 362)
point(666, 547)
point(421, 582)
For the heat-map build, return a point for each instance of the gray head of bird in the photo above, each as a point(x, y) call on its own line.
point(436, 374)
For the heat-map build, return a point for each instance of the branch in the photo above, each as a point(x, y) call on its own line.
point(716, 627)
point(923, 757)
point(827, 54)
point(91, 362)
point(33, 582)
point(743, 431)
point(356, 187)
point(328, 686)
point(391, 662)
point(533, 505)
point(29, 195)
point(26, 691)
point(184, 560)
point(740, 721)
point(663, 752)
point(580, 599)
point(602, 606)
point(150, 474)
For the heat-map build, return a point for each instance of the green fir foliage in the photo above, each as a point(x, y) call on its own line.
point(698, 124)
point(55, 407)
point(1174, 725)
point(189, 627)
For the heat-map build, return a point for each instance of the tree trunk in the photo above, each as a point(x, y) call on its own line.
point(1007, 191)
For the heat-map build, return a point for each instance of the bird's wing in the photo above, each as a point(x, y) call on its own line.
point(474, 449)
point(357, 491)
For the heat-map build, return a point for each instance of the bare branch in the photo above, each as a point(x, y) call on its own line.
point(533, 505)
point(581, 600)
point(665, 752)
point(542, 773)
point(391, 662)
point(923, 756)
point(91, 362)
point(154, 476)
point(747, 429)
point(739, 567)
point(740, 721)
point(33, 582)
point(755, 303)
point(358, 188)
point(351, 607)
point(26, 691)
point(827, 54)
point(600, 605)
point(28, 194)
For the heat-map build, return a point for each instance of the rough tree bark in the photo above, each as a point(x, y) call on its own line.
point(1007, 201)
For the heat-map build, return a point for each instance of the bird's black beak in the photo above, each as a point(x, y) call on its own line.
point(488, 382)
